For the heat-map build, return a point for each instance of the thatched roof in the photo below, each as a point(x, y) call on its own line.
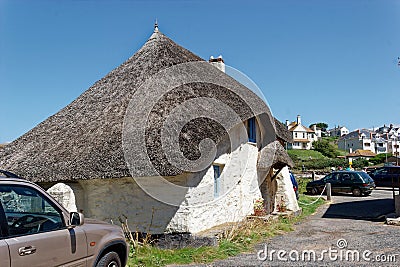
point(282, 132)
point(84, 139)
point(275, 155)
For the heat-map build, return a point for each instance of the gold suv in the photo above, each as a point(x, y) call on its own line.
point(35, 230)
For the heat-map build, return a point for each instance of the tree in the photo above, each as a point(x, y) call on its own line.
point(326, 148)
point(360, 163)
point(322, 125)
point(380, 158)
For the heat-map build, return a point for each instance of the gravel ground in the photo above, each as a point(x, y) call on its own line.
point(336, 233)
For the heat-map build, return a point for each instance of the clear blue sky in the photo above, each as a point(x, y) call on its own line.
point(330, 61)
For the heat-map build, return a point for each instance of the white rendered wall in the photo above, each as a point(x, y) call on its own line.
point(111, 199)
point(285, 191)
point(64, 195)
point(240, 189)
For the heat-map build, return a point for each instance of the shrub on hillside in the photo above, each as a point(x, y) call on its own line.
point(326, 148)
point(360, 163)
point(380, 158)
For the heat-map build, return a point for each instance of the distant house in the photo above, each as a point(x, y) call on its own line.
point(303, 137)
point(359, 139)
point(380, 143)
point(338, 131)
point(112, 148)
point(394, 145)
point(391, 135)
point(363, 154)
point(383, 140)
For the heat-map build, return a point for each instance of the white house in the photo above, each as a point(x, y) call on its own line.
point(338, 131)
point(359, 139)
point(303, 137)
point(166, 140)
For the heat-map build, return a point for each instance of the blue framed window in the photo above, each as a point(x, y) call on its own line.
point(217, 175)
point(251, 130)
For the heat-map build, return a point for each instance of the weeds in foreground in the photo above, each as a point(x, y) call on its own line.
point(237, 238)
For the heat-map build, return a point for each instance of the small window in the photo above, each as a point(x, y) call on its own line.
point(251, 130)
point(304, 135)
point(217, 175)
point(295, 135)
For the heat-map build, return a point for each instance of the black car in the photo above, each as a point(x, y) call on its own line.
point(386, 176)
point(356, 182)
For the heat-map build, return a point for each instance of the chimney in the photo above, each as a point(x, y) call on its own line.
point(350, 150)
point(218, 63)
point(298, 119)
point(287, 123)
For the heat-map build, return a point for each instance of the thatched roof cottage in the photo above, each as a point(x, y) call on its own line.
point(166, 139)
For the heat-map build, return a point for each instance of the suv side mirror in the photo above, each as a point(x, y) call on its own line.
point(76, 219)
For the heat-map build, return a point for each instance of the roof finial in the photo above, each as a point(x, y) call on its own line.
point(156, 26)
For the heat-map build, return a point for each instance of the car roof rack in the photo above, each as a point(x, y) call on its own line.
point(8, 174)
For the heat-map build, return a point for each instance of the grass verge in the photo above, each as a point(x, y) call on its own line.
point(240, 238)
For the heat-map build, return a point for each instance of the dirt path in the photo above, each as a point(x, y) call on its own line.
point(341, 234)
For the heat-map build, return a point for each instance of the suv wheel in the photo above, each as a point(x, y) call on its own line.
point(357, 192)
point(111, 259)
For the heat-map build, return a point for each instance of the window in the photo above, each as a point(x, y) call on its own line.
point(304, 135)
point(27, 211)
point(367, 144)
point(295, 135)
point(251, 130)
point(217, 175)
point(332, 178)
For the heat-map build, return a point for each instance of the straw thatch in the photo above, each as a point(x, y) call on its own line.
point(275, 155)
point(84, 139)
point(282, 132)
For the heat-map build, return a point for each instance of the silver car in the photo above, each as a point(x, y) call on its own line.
point(35, 230)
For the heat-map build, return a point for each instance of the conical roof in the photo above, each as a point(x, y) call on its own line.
point(84, 139)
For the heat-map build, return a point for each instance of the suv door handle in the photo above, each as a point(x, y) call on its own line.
point(26, 250)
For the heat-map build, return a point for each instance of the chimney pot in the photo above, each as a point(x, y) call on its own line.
point(298, 119)
point(218, 63)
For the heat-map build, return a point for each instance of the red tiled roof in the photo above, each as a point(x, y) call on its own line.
point(361, 153)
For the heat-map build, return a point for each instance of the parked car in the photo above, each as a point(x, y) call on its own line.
point(295, 185)
point(386, 176)
point(35, 230)
point(356, 182)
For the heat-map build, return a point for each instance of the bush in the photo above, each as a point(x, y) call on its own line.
point(326, 148)
point(360, 163)
point(380, 158)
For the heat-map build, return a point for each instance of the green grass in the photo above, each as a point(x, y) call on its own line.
point(241, 238)
point(305, 154)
